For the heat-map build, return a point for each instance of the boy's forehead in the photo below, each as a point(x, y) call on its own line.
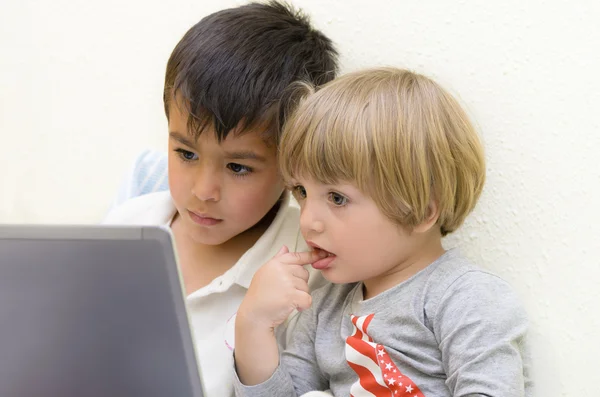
point(250, 137)
point(179, 122)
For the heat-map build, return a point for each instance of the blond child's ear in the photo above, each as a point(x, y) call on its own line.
point(431, 218)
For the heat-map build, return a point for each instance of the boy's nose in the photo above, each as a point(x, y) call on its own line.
point(207, 186)
point(309, 220)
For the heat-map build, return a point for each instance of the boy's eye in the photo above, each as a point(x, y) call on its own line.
point(239, 169)
point(299, 191)
point(186, 154)
point(337, 199)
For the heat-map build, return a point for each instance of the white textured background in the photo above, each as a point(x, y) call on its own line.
point(80, 96)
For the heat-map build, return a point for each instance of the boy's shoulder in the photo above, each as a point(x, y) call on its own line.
point(150, 209)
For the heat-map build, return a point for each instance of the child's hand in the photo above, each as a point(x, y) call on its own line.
point(277, 288)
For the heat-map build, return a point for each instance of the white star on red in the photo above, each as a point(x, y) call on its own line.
point(409, 389)
point(381, 353)
point(388, 366)
point(391, 381)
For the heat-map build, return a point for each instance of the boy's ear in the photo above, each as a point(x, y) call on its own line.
point(433, 214)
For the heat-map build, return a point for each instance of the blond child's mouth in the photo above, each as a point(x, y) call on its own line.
point(319, 250)
point(326, 261)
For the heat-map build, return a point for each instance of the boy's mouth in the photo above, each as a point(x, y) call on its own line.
point(203, 220)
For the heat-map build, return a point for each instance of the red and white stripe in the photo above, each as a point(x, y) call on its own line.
point(378, 376)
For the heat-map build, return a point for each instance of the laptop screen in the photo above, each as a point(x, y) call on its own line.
point(93, 317)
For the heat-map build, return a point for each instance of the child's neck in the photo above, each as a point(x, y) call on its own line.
point(200, 264)
point(422, 256)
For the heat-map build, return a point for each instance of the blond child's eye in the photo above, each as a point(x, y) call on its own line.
point(299, 191)
point(337, 199)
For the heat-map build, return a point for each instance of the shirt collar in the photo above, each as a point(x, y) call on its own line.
point(283, 231)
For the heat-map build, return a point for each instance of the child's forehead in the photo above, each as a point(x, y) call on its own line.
point(259, 133)
point(251, 137)
point(305, 178)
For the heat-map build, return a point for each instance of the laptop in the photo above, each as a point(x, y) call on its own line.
point(93, 311)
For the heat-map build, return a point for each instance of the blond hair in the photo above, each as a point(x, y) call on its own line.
point(398, 136)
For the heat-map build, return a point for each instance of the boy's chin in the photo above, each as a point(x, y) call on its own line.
point(209, 238)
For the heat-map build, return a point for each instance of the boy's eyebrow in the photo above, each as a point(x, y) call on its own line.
point(181, 138)
point(235, 155)
point(245, 155)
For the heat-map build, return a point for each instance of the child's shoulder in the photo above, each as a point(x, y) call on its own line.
point(150, 209)
point(453, 268)
point(455, 284)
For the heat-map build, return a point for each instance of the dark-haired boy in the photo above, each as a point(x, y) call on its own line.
point(226, 204)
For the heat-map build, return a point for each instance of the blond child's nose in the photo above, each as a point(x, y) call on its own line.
point(309, 220)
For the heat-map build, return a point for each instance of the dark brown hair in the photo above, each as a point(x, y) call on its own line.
point(233, 67)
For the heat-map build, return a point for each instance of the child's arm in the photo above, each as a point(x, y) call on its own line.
point(279, 287)
point(481, 329)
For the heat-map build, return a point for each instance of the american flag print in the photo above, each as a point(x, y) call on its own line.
point(378, 376)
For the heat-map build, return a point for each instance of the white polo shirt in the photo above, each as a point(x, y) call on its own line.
point(211, 308)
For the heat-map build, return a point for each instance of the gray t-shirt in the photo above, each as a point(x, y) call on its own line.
point(450, 330)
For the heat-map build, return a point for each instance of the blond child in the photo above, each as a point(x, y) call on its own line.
point(384, 163)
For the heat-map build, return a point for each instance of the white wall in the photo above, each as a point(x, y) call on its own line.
point(80, 95)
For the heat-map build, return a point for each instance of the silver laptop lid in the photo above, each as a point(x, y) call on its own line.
point(93, 311)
